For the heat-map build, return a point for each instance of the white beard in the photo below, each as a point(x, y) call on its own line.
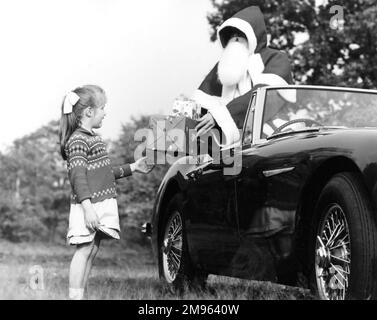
point(233, 63)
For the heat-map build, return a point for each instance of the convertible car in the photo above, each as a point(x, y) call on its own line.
point(297, 204)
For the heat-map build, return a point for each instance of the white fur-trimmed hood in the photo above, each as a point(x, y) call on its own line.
point(250, 21)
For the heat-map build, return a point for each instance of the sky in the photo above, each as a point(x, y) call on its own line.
point(143, 53)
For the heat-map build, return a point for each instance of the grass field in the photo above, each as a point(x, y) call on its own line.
point(119, 272)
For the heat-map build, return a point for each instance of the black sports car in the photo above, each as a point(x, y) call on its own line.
point(300, 204)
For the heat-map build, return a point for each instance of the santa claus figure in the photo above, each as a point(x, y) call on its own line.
point(246, 63)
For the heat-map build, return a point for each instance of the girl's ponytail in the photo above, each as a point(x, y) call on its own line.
point(72, 110)
point(68, 124)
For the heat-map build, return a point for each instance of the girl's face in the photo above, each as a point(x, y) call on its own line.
point(98, 115)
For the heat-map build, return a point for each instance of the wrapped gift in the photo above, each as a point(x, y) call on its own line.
point(173, 134)
point(175, 137)
point(183, 106)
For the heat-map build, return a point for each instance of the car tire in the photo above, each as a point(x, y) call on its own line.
point(176, 267)
point(343, 241)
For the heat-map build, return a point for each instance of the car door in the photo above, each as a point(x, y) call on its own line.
point(251, 255)
point(265, 207)
point(212, 226)
point(267, 190)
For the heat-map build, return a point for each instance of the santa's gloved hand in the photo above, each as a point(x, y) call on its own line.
point(207, 122)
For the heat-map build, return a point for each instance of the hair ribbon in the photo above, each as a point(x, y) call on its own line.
point(70, 100)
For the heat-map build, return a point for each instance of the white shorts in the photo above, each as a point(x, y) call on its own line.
point(107, 212)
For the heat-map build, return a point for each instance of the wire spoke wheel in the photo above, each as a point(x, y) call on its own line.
point(333, 255)
point(172, 247)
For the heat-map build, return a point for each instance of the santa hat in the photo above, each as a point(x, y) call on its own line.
point(249, 21)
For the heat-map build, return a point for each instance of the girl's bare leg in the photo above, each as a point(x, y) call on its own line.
point(97, 241)
point(77, 269)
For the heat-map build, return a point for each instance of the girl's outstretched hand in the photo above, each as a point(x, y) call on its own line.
point(142, 166)
point(90, 216)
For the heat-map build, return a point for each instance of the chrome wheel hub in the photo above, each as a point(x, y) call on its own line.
point(333, 255)
point(172, 247)
point(323, 257)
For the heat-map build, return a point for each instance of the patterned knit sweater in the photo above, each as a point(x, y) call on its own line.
point(89, 170)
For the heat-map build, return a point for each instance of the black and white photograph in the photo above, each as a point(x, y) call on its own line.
point(193, 151)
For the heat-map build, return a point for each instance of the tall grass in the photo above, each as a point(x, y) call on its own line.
point(119, 272)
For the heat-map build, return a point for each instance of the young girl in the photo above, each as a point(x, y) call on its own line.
point(94, 211)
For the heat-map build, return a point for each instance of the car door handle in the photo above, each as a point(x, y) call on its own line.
point(274, 172)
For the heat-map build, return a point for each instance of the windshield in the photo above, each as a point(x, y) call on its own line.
point(300, 109)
